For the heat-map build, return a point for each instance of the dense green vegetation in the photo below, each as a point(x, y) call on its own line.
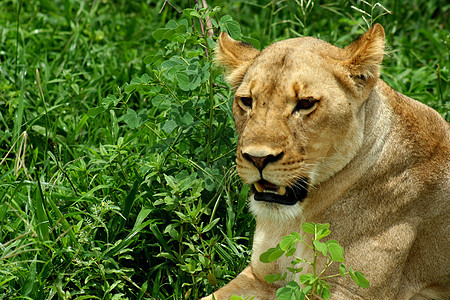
point(117, 174)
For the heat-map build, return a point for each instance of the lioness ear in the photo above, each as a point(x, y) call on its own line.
point(365, 55)
point(235, 57)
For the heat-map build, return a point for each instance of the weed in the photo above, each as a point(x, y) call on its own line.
point(315, 283)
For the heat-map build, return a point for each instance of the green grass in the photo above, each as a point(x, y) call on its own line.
point(117, 143)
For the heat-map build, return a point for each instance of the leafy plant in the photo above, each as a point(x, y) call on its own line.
point(187, 118)
point(311, 284)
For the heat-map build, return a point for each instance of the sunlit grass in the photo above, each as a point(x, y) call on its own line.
point(110, 193)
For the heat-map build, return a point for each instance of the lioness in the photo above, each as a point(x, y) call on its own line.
point(323, 139)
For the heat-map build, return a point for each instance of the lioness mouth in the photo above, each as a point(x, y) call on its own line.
point(269, 192)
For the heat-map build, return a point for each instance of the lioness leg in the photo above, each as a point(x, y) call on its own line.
point(245, 284)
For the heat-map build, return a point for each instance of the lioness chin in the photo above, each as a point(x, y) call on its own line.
point(323, 139)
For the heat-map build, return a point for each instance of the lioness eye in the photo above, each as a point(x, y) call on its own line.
point(305, 104)
point(247, 101)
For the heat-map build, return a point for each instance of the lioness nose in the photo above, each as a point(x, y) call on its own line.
point(261, 162)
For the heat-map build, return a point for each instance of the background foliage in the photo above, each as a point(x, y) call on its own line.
point(117, 178)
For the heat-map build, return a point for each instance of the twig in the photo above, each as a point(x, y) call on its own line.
point(201, 22)
point(167, 2)
point(208, 21)
point(203, 31)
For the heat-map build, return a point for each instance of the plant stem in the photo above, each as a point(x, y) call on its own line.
point(211, 108)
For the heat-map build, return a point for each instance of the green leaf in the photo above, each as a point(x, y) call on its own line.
point(275, 255)
point(353, 276)
point(254, 42)
point(194, 13)
point(306, 279)
point(30, 281)
point(174, 62)
point(170, 229)
point(343, 270)
point(309, 227)
point(362, 281)
point(129, 201)
point(230, 26)
point(80, 125)
point(336, 251)
point(170, 181)
point(322, 227)
point(294, 270)
point(271, 255)
point(18, 116)
point(323, 290)
point(93, 112)
point(307, 289)
point(143, 115)
point(210, 225)
point(182, 28)
point(168, 35)
point(272, 277)
point(284, 294)
point(161, 102)
point(183, 81)
point(150, 59)
point(211, 43)
point(136, 80)
point(169, 126)
point(145, 78)
point(233, 29)
point(187, 119)
point(172, 24)
point(132, 119)
point(287, 242)
point(158, 33)
point(143, 213)
point(75, 88)
point(321, 247)
point(322, 230)
point(297, 236)
point(194, 53)
point(210, 185)
point(195, 82)
point(131, 87)
point(226, 18)
point(290, 292)
point(183, 22)
point(291, 251)
point(110, 100)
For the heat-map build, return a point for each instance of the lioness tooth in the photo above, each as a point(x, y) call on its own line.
point(259, 187)
point(270, 192)
point(282, 190)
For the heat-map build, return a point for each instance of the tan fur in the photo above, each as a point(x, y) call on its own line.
point(377, 163)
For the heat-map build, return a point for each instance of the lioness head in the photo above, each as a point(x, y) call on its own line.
point(298, 111)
